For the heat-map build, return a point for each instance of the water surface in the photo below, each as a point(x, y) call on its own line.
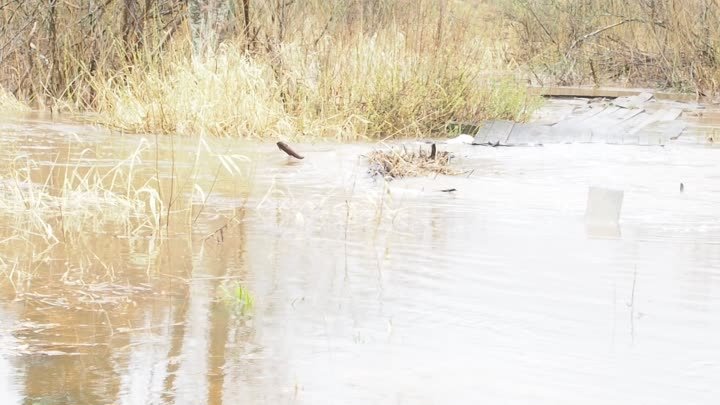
point(371, 292)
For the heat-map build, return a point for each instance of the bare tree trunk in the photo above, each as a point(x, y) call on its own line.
point(198, 25)
point(131, 28)
point(246, 23)
point(54, 85)
point(209, 22)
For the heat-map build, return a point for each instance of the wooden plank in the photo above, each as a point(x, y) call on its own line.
point(521, 134)
point(635, 121)
point(670, 114)
point(583, 116)
point(581, 126)
point(595, 123)
point(636, 101)
point(666, 130)
point(493, 132)
point(609, 124)
point(621, 117)
point(657, 116)
point(602, 120)
point(638, 122)
point(554, 112)
point(555, 136)
point(528, 134)
point(572, 134)
point(482, 133)
point(502, 130)
point(606, 92)
point(567, 91)
point(606, 112)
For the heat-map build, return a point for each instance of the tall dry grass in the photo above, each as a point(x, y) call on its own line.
point(345, 69)
point(670, 44)
point(9, 103)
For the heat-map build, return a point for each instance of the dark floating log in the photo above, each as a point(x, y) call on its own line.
point(285, 148)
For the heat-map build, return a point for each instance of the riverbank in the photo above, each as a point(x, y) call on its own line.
point(337, 70)
point(357, 70)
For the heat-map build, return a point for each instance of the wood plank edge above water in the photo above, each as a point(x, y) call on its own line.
point(607, 92)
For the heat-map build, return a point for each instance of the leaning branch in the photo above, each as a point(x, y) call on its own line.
point(596, 32)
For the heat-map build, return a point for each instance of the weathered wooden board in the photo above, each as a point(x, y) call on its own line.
point(624, 121)
point(569, 133)
point(494, 132)
point(528, 134)
point(666, 130)
point(582, 116)
point(607, 92)
point(636, 101)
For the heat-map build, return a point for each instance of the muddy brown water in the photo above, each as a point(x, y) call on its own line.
point(370, 292)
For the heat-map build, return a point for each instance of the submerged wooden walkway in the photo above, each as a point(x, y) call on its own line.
point(630, 120)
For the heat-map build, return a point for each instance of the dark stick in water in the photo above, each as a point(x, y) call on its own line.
point(285, 148)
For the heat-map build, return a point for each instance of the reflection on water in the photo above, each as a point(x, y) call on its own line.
point(380, 293)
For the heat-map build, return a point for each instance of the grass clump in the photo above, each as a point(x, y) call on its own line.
point(226, 94)
point(8, 102)
point(237, 297)
point(668, 44)
point(397, 162)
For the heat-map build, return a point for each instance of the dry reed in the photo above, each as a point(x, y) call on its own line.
point(667, 44)
point(10, 104)
point(346, 69)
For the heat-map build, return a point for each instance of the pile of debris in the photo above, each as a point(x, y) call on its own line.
point(396, 162)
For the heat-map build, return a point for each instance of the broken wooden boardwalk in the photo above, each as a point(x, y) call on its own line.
point(629, 120)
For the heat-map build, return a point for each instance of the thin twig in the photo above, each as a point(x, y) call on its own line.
point(596, 32)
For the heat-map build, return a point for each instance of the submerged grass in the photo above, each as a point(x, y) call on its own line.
point(238, 297)
point(65, 209)
point(337, 69)
point(76, 199)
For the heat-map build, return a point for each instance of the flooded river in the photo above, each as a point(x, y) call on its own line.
point(364, 292)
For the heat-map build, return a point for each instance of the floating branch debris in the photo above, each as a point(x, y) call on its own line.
point(399, 162)
point(285, 148)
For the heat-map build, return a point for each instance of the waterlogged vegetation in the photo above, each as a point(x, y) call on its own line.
point(237, 297)
point(58, 199)
point(333, 70)
point(259, 70)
